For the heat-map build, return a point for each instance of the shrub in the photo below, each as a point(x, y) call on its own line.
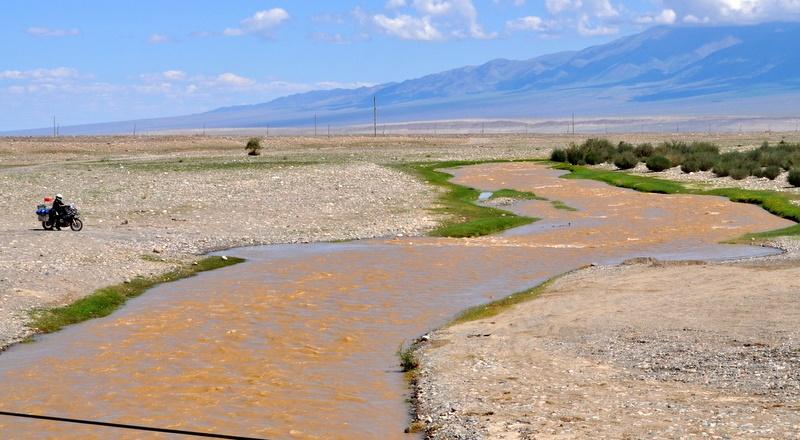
point(626, 160)
point(794, 177)
point(558, 155)
point(643, 150)
point(738, 173)
point(690, 165)
point(772, 172)
point(574, 155)
point(706, 161)
point(624, 147)
point(658, 163)
point(721, 169)
point(253, 147)
point(593, 158)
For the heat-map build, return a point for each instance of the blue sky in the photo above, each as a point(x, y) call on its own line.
point(90, 60)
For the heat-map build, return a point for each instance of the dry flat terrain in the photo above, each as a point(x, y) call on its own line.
point(637, 351)
point(152, 201)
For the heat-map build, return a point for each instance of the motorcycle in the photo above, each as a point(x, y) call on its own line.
point(70, 218)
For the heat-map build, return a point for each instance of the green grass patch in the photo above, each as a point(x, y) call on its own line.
point(494, 308)
point(615, 178)
point(558, 204)
point(408, 359)
point(108, 299)
point(467, 218)
point(775, 202)
point(514, 194)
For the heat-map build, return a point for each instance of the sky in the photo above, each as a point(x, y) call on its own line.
point(86, 61)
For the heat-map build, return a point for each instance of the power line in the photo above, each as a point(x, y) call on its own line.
point(124, 426)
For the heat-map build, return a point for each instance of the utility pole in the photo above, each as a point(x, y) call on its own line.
point(573, 124)
point(55, 132)
point(315, 125)
point(483, 127)
point(375, 115)
point(267, 130)
point(204, 130)
point(329, 130)
point(134, 129)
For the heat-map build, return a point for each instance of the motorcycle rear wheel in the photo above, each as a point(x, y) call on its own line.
point(76, 224)
point(47, 227)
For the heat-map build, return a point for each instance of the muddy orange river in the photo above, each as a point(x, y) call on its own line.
point(300, 341)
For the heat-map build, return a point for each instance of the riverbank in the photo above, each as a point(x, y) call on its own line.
point(148, 212)
point(625, 352)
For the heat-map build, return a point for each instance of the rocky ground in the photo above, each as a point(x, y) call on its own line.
point(637, 351)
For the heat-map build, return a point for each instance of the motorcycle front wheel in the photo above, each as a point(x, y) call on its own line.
point(47, 226)
point(76, 224)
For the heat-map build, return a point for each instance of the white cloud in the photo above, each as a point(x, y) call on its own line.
point(734, 11)
point(158, 39)
point(262, 23)
point(407, 27)
point(429, 20)
point(559, 6)
point(58, 73)
point(52, 33)
point(667, 16)
point(176, 75)
point(587, 30)
point(529, 23)
point(232, 79)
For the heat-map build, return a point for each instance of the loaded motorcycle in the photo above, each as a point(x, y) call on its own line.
point(71, 218)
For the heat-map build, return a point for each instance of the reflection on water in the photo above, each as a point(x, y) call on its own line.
point(299, 342)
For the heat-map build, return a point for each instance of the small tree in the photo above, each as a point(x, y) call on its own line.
point(658, 163)
point(253, 147)
point(794, 177)
point(558, 155)
point(626, 160)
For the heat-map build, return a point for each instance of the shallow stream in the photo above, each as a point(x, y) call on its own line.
point(300, 341)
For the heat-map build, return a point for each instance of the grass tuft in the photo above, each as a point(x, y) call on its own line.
point(108, 299)
point(514, 194)
point(558, 204)
point(494, 308)
point(408, 359)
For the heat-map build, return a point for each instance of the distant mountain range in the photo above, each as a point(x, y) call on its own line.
point(745, 70)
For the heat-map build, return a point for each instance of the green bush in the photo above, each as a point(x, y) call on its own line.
point(658, 163)
point(574, 155)
point(624, 147)
point(626, 160)
point(738, 173)
point(794, 177)
point(643, 150)
point(772, 172)
point(690, 165)
point(253, 147)
point(593, 158)
point(721, 169)
point(559, 155)
point(706, 161)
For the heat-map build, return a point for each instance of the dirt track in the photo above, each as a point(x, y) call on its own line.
point(643, 351)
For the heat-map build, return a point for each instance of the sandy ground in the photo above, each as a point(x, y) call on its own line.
point(636, 351)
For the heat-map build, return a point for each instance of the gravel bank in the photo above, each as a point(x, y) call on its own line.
point(142, 218)
point(636, 351)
